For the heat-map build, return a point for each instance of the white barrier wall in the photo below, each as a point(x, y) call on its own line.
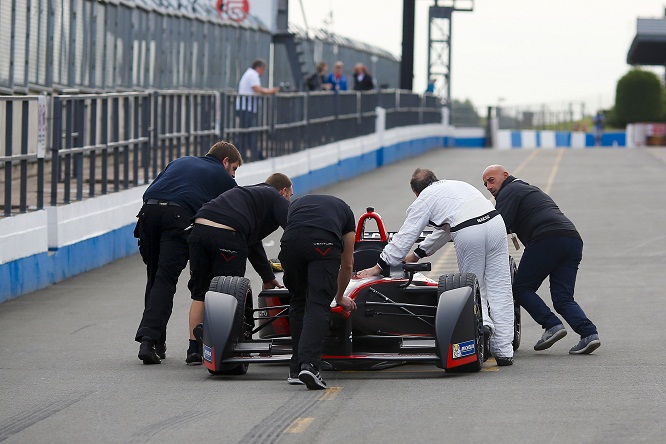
point(43, 247)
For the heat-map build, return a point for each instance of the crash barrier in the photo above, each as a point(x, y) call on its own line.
point(41, 247)
point(508, 139)
point(66, 148)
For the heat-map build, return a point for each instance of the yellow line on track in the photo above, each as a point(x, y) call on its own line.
point(524, 163)
point(553, 172)
point(299, 425)
point(330, 394)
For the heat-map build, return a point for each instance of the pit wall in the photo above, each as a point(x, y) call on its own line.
point(508, 139)
point(40, 248)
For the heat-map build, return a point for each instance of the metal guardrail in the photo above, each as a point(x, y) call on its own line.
point(67, 148)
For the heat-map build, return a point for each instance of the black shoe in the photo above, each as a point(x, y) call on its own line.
point(193, 358)
point(310, 376)
point(503, 362)
point(160, 349)
point(147, 351)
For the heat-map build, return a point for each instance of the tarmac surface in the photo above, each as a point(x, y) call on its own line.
point(69, 370)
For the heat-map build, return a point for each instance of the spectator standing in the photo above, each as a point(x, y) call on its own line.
point(362, 79)
point(317, 81)
point(249, 104)
point(553, 248)
point(598, 123)
point(337, 79)
point(317, 255)
point(227, 232)
point(431, 86)
point(170, 201)
point(459, 212)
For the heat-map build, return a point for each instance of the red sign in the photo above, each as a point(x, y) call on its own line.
point(236, 10)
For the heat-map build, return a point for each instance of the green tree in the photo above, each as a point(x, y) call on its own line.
point(638, 98)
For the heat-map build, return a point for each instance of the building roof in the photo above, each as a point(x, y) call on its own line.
point(649, 45)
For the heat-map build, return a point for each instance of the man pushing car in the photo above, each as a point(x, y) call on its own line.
point(459, 212)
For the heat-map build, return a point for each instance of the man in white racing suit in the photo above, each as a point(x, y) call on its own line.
point(459, 212)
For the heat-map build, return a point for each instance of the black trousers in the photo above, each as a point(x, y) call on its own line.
point(161, 230)
point(214, 252)
point(310, 258)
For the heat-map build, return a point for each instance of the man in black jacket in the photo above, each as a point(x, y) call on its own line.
point(553, 247)
point(227, 232)
point(168, 204)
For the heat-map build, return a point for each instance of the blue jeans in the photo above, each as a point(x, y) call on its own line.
point(557, 257)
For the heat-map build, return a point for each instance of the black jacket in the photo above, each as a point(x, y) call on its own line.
point(255, 212)
point(531, 213)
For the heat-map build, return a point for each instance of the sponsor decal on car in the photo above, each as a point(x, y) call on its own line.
point(208, 353)
point(462, 349)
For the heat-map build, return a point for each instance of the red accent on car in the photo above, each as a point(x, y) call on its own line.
point(280, 325)
point(210, 365)
point(450, 362)
point(360, 227)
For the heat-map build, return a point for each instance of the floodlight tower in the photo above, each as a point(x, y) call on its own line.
point(439, 43)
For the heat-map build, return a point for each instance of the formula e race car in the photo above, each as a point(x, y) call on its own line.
point(404, 317)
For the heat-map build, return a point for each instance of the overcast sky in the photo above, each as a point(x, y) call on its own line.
point(519, 52)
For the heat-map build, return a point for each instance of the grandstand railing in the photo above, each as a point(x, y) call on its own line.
point(65, 148)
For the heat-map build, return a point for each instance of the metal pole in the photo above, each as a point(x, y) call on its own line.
point(407, 62)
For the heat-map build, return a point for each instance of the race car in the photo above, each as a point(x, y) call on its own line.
point(404, 317)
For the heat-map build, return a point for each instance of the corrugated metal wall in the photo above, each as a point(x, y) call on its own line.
point(125, 45)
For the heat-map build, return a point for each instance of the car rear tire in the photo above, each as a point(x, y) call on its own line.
point(239, 288)
point(459, 280)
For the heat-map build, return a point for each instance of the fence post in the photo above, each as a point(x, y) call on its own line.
point(9, 105)
point(146, 131)
point(56, 135)
point(23, 207)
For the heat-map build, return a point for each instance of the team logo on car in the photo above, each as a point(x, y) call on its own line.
point(462, 349)
point(208, 353)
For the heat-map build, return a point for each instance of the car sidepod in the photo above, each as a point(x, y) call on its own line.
point(458, 331)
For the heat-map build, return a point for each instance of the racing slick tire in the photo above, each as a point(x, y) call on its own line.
point(458, 280)
point(517, 325)
point(239, 288)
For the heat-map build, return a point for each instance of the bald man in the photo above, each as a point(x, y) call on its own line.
point(553, 248)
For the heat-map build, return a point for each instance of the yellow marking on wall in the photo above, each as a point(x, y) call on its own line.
point(299, 425)
point(330, 394)
point(553, 172)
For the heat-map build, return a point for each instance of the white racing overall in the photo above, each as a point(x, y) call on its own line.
point(481, 248)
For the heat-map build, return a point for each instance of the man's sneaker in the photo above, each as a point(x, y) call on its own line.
point(550, 336)
point(310, 376)
point(193, 358)
point(503, 362)
point(147, 351)
point(586, 345)
point(292, 379)
point(160, 349)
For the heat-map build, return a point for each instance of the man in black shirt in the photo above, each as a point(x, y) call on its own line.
point(553, 247)
point(169, 203)
point(317, 255)
point(227, 232)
